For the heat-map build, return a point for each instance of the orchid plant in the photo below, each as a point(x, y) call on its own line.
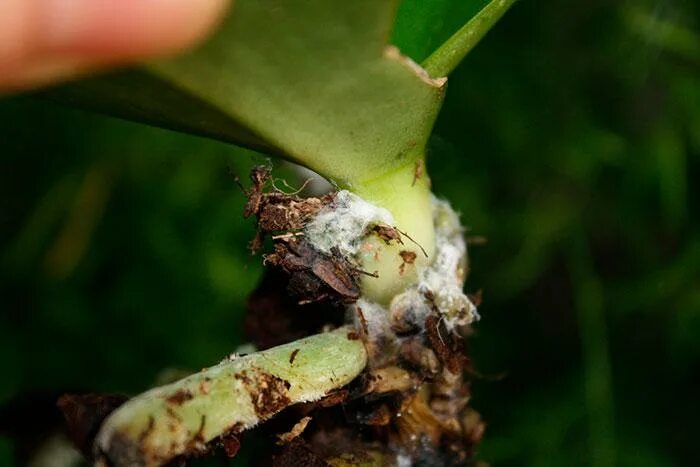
point(317, 83)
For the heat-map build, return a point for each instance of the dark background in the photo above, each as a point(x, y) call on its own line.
point(570, 138)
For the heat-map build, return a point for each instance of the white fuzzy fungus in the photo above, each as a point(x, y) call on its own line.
point(344, 222)
point(444, 278)
point(372, 316)
point(409, 310)
point(373, 320)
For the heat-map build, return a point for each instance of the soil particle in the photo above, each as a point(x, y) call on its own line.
point(179, 397)
point(353, 336)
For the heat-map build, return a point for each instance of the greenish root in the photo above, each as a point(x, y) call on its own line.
point(182, 417)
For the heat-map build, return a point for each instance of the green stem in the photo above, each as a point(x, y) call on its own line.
point(405, 193)
point(180, 418)
point(450, 54)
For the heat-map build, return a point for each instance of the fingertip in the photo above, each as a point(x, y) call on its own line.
point(42, 41)
point(129, 29)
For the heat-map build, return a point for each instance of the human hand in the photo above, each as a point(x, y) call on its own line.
point(45, 41)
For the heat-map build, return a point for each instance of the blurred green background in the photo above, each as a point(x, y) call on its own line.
point(570, 138)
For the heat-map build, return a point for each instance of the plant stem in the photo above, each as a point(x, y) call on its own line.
point(405, 193)
point(238, 393)
point(446, 58)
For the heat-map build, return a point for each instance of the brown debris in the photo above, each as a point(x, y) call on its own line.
point(315, 276)
point(445, 345)
point(277, 211)
point(408, 257)
point(288, 213)
point(388, 233)
point(259, 176)
point(295, 432)
point(268, 392)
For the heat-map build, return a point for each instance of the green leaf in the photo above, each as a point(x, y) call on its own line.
point(310, 80)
